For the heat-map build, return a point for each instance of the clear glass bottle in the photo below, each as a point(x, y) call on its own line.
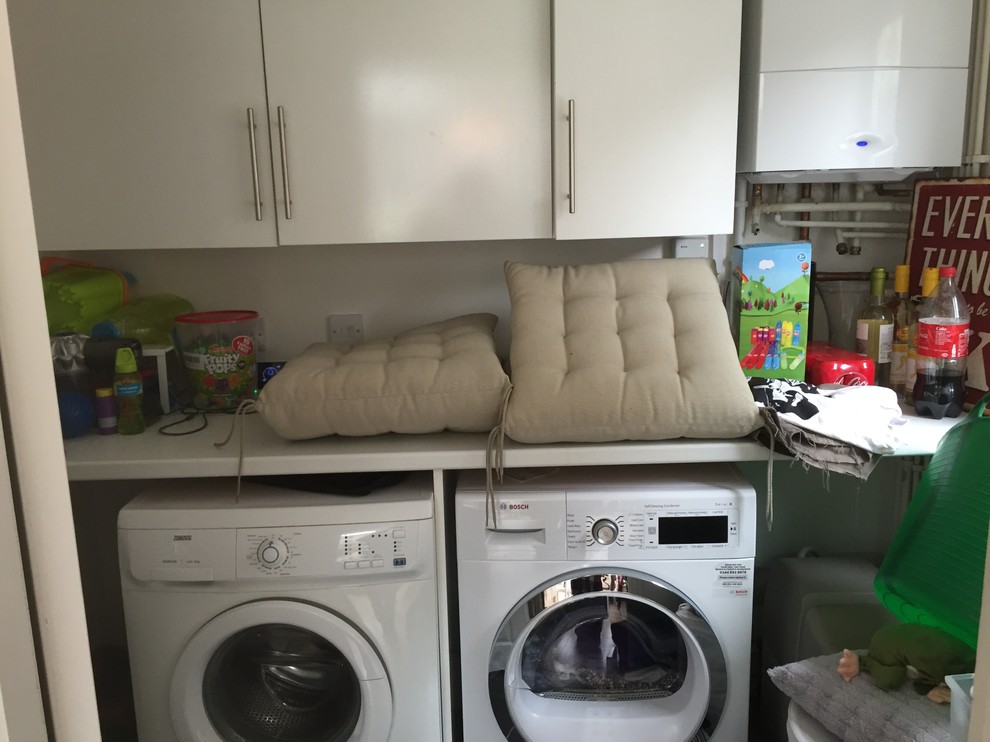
point(875, 328)
point(929, 280)
point(903, 311)
point(943, 344)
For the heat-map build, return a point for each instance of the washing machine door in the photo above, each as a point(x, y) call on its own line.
point(280, 670)
point(594, 656)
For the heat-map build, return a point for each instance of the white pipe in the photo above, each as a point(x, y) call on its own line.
point(981, 74)
point(823, 223)
point(40, 478)
point(836, 206)
point(739, 219)
point(974, 86)
point(984, 66)
point(843, 234)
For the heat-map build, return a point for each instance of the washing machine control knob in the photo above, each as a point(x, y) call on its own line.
point(605, 531)
point(273, 553)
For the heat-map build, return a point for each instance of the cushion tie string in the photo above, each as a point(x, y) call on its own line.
point(771, 428)
point(494, 459)
point(244, 408)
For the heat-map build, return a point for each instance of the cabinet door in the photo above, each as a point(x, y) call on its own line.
point(651, 146)
point(409, 121)
point(136, 122)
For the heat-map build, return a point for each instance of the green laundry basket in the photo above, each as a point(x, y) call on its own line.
point(933, 571)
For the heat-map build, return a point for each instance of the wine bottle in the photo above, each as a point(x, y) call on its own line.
point(875, 328)
point(903, 311)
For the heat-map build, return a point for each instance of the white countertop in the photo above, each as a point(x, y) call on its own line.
point(152, 455)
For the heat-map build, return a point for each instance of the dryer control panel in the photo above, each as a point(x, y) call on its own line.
point(701, 526)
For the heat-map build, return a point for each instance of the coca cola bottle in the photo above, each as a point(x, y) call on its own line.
point(943, 342)
point(929, 281)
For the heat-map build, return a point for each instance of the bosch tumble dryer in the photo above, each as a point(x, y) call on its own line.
point(606, 603)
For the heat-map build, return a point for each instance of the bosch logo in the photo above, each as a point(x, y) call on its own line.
point(514, 506)
point(185, 537)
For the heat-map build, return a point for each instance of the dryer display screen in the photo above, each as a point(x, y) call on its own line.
point(693, 529)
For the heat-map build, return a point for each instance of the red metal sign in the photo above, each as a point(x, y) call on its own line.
point(950, 225)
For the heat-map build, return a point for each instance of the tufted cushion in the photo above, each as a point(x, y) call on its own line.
point(858, 711)
point(441, 376)
point(636, 350)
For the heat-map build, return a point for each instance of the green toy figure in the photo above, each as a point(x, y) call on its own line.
point(900, 652)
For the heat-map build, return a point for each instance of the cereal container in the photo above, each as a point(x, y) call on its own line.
point(218, 350)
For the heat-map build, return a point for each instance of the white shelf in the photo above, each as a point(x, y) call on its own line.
point(155, 456)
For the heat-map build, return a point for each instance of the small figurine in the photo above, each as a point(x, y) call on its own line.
point(911, 651)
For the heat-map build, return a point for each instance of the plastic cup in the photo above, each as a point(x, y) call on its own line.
point(218, 351)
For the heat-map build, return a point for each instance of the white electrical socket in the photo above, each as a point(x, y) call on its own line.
point(692, 247)
point(345, 329)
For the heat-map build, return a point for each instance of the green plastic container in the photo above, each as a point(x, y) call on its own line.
point(147, 319)
point(78, 296)
point(933, 571)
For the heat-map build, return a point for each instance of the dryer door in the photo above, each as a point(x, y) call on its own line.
point(280, 670)
point(600, 655)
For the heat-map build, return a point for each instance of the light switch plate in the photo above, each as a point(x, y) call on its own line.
point(345, 329)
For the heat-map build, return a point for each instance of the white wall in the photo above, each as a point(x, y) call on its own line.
point(395, 286)
point(399, 286)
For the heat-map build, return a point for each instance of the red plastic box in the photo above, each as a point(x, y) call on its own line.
point(828, 364)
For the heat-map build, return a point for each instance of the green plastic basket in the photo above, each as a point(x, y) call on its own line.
point(78, 296)
point(933, 571)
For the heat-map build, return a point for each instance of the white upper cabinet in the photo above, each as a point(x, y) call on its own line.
point(644, 117)
point(136, 122)
point(388, 121)
point(409, 121)
point(375, 120)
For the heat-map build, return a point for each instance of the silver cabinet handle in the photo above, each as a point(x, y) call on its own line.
point(572, 178)
point(285, 163)
point(254, 165)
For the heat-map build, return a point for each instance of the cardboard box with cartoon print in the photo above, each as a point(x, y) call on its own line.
point(769, 293)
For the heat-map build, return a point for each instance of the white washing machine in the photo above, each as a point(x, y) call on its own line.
point(606, 603)
point(281, 615)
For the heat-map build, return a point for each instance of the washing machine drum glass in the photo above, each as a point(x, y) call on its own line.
point(281, 682)
point(606, 649)
point(606, 656)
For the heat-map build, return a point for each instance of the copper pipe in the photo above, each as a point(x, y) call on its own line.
point(756, 200)
point(882, 189)
point(804, 216)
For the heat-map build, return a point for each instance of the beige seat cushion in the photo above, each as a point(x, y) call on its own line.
point(858, 711)
point(635, 350)
point(444, 376)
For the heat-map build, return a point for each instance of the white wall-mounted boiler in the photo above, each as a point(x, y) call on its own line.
point(852, 86)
